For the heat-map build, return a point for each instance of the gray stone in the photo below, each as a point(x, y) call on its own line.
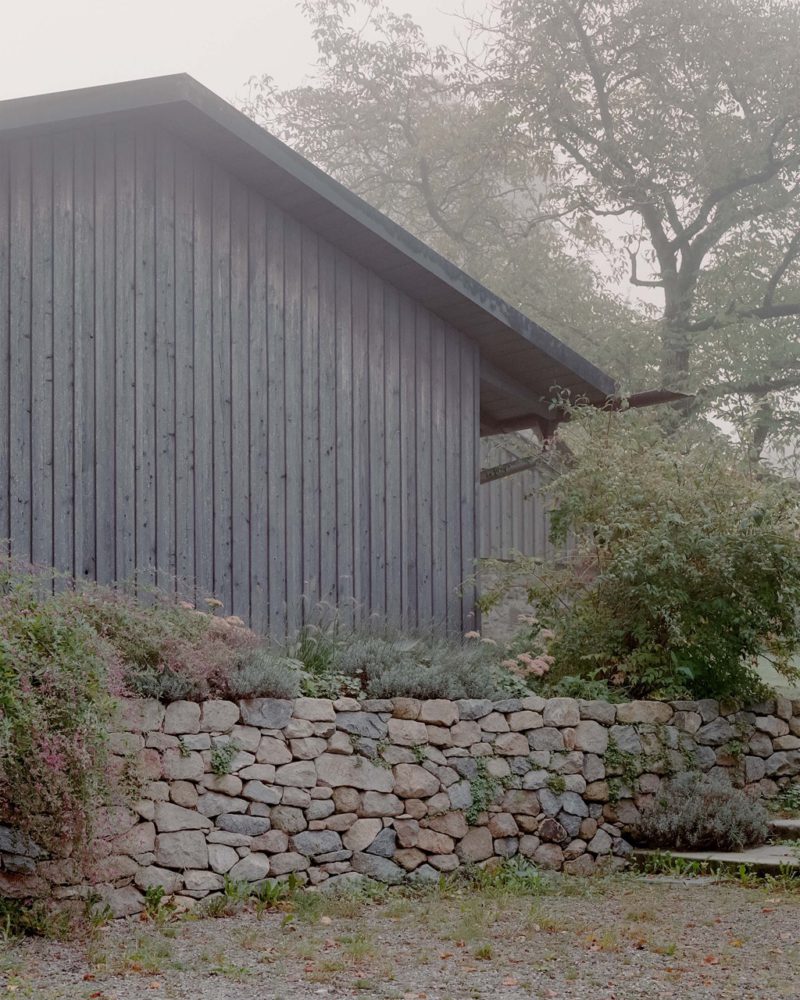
point(182, 717)
point(170, 818)
point(550, 802)
point(378, 868)
point(314, 842)
point(139, 715)
point(548, 856)
point(600, 844)
point(147, 878)
point(186, 849)
point(460, 795)
point(308, 748)
point(425, 873)
point(291, 861)
point(14, 842)
point(494, 722)
point(122, 902)
point(314, 709)
point(385, 844)
point(594, 767)
point(465, 766)
point(590, 737)
point(572, 824)
point(273, 751)
point(439, 712)
point(715, 733)
point(653, 712)
point(299, 774)
point(252, 868)
point(626, 739)
point(288, 818)
point(177, 766)
point(218, 716)
point(361, 834)
point(364, 724)
point(549, 739)
point(413, 782)
point(474, 708)
point(202, 881)
point(320, 809)
point(212, 804)
point(250, 826)
point(380, 804)
point(354, 772)
point(267, 713)
point(561, 712)
point(520, 802)
point(572, 803)
point(476, 846)
point(221, 858)
point(257, 791)
point(535, 779)
point(598, 711)
point(300, 797)
point(772, 725)
point(407, 733)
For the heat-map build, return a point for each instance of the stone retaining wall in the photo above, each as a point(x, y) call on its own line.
point(337, 790)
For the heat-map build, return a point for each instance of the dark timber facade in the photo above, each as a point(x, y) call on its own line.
point(221, 371)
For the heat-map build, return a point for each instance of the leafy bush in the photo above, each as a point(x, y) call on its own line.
point(695, 812)
point(262, 673)
point(54, 712)
point(683, 564)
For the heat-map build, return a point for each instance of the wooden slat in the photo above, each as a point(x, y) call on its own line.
point(453, 458)
point(63, 352)
point(203, 385)
point(221, 382)
point(259, 454)
point(20, 351)
point(361, 467)
point(184, 373)
point(145, 360)
point(439, 511)
point(41, 442)
point(125, 328)
point(468, 485)
point(327, 422)
point(277, 434)
point(394, 570)
point(5, 356)
point(310, 418)
point(240, 401)
point(408, 461)
point(377, 447)
point(424, 467)
point(166, 556)
point(345, 562)
point(83, 347)
point(293, 420)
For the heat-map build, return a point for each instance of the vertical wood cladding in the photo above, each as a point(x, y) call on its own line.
point(197, 391)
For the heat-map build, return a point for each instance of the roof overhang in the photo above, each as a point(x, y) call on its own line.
point(522, 364)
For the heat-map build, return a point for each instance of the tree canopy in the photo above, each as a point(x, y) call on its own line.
point(569, 146)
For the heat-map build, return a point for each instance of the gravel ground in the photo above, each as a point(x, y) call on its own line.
point(616, 939)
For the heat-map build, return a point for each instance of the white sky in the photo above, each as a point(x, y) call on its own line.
point(60, 44)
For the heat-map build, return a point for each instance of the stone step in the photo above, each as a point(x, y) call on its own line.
point(769, 859)
point(785, 829)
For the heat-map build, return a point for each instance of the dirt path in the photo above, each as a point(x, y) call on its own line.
point(620, 939)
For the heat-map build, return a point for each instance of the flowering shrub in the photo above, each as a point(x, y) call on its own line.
point(54, 710)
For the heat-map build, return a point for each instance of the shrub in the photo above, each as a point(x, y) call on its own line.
point(695, 812)
point(262, 673)
point(683, 567)
point(54, 713)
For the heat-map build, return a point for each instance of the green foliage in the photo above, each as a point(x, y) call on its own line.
point(787, 800)
point(684, 567)
point(485, 788)
point(22, 919)
point(702, 812)
point(54, 713)
point(557, 783)
point(263, 673)
point(664, 863)
point(223, 755)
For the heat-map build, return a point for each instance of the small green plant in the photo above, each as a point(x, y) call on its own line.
point(664, 863)
point(557, 783)
point(96, 911)
point(702, 812)
point(420, 753)
point(183, 750)
point(484, 787)
point(223, 756)
point(622, 767)
point(155, 905)
point(23, 919)
point(787, 800)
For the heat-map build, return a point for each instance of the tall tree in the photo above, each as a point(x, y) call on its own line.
point(685, 118)
point(397, 120)
point(571, 140)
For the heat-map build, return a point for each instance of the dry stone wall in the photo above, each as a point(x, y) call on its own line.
point(335, 791)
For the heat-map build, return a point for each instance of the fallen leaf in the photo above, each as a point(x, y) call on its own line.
point(446, 954)
point(510, 981)
point(711, 960)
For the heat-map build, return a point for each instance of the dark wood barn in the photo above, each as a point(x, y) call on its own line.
point(219, 369)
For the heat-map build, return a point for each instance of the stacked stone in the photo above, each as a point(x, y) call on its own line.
point(333, 791)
